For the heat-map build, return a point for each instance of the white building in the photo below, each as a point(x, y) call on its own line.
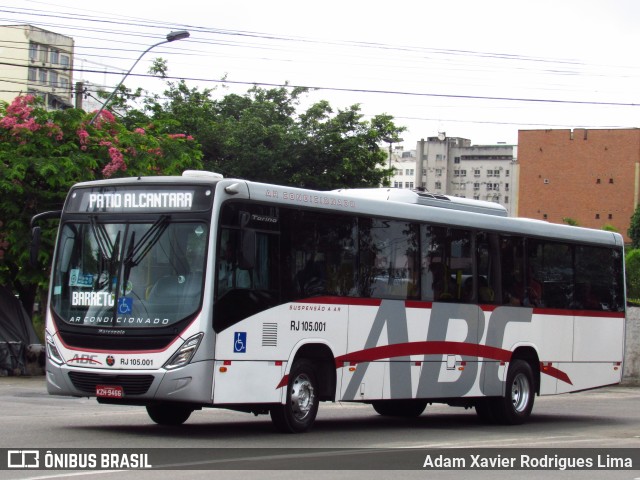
point(452, 166)
point(37, 62)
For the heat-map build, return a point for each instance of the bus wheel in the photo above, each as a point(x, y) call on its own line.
point(516, 405)
point(400, 408)
point(169, 414)
point(299, 411)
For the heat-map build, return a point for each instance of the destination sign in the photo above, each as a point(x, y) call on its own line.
point(139, 200)
point(164, 200)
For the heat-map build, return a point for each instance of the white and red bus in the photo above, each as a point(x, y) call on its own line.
point(178, 293)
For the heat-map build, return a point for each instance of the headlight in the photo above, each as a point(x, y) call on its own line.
point(185, 353)
point(52, 351)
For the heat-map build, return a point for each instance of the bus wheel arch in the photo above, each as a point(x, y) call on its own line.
point(311, 378)
point(324, 364)
point(529, 355)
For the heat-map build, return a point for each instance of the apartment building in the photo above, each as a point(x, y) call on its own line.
point(36, 61)
point(591, 176)
point(453, 166)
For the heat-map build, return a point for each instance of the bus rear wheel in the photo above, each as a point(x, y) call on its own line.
point(400, 408)
point(169, 413)
point(516, 405)
point(299, 411)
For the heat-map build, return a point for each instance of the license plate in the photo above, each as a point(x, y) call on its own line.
point(109, 391)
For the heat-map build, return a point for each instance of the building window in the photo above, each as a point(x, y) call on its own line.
point(597, 216)
point(53, 79)
point(32, 74)
point(64, 60)
point(397, 184)
point(476, 172)
point(611, 216)
point(456, 160)
point(438, 185)
point(438, 172)
point(506, 187)
point(54, 56)
point(439, 157)
point(33, 51)
point(506, 173)
point(409, 171)
point(64, 83)
point(476, 197)
point(42, 76)
point(408, 184)
point(476, 186)
point(43, 53)
point(506, 199)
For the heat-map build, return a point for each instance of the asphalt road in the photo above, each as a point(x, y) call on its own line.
point(599, 419)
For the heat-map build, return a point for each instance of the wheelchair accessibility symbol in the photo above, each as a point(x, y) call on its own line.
point(240, 342)
point(125, 305)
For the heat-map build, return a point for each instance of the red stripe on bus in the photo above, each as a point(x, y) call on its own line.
point(555, 373)
point(432, 348)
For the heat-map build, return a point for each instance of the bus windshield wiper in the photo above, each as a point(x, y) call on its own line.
point(108, 250)
point(137, 251)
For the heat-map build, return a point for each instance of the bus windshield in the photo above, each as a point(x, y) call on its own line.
point(129, 275)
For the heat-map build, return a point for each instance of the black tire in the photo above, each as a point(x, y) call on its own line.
point(301, 407)
point(485, 409)
point(400, 408)
point(516, 405)
point(169, 413)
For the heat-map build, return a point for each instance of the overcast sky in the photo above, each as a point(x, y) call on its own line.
point(475, 69)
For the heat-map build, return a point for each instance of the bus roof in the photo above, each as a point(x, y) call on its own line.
point(427, 198)
point(390, 203)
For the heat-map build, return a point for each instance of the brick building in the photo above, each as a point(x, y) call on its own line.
point(591, 176)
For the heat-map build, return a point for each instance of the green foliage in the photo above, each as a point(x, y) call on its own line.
point(632, 268)
point(571, 221)
point(261, 136)
point(634, 228)
point(43, 153)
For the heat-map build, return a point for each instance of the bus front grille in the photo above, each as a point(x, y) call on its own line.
point(131, 384)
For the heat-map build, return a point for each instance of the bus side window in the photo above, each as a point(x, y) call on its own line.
point(512, 270)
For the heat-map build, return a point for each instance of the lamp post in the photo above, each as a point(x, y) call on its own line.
point(171, 37)
point(391, 141)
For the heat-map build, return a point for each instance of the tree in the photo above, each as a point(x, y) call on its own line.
point(634, 228)
point(42, 153)
point(261, 136)
point(632, 270)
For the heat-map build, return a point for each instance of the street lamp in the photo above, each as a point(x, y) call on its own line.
point(171, 37)
point(391, 141)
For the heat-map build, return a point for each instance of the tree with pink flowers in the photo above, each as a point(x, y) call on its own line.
point(42, 153)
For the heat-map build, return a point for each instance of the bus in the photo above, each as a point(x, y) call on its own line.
point(179, 293)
